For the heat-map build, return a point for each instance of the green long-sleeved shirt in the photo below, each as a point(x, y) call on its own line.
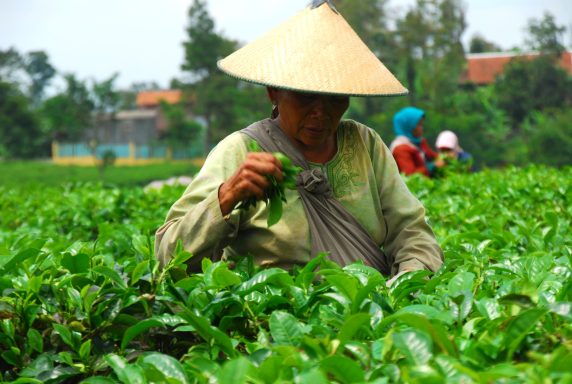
point(364, 178)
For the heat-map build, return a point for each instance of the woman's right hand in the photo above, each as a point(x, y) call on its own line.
point(249, 180)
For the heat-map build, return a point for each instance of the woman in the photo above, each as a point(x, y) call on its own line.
point(350, 199)
point(410, 149)
point(447, 144)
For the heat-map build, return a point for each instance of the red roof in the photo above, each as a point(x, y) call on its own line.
point(153, 98)
point(483, 68)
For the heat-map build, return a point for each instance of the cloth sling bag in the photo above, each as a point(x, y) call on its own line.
point(332, 228)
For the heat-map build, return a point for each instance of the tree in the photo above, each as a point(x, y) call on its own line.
point(11, 64)
point(20, 135)
point(204, 47)
point(370, 20)
point(215, 93)
point(429, 43)
point(68, 114)
point(533, 85)
point(181, 130)
point(40, 71)
point(545, 36)
point(478, 44)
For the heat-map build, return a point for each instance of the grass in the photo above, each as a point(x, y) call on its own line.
point(24, 173)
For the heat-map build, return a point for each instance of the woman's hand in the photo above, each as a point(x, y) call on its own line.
point(440, 162)
point(249, 180)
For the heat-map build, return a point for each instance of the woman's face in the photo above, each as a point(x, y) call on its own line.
point(310, 119)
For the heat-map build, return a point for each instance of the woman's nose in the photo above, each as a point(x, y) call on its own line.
point(319, 106)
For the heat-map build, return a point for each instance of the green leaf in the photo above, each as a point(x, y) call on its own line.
point(208, 332)
point(269, 370)
point(420, 322)
point(264, 277)
point(517, 299)
point(285, 328)
point(85, 350)
point(429, 312)
point(78, 263)
point(169, 367)
point(223, 277)
point(42, 363)
point(135, 330)
point(347, 285)
point(352, 325)
point(343, 369)
point(138, 272)
point(519, 326)
point(415, 346)
point(127, 374)
point(236, 371)
point(274, 210)
point(8, 264)
point(111, 274)
point(65, 334)
point(461, 282)
point(98, 380)
point(314, 376)
point(8, 328)
point(35, 340)
point(374, 282)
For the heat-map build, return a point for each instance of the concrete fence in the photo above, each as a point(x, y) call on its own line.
point(125, 154)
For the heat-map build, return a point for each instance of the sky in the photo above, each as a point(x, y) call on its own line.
point(142, 39)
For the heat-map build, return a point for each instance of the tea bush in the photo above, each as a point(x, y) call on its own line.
point(83, 299)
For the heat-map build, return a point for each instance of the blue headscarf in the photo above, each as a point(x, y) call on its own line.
point(405, 121)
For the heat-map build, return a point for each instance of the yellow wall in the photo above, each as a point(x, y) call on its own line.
point(90, 161)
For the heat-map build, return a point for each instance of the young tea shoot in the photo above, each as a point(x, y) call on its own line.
point(275, 194)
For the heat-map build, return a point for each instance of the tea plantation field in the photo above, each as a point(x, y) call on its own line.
point(83, 299)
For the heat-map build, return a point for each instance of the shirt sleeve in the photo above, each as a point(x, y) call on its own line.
point(195, 219)
point(410, 243)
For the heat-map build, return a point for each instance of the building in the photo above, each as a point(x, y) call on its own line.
point(133, 136)
point(483, 68)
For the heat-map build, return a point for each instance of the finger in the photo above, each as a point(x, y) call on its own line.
point(249, 176)
point(249, 188)
point(264, 164)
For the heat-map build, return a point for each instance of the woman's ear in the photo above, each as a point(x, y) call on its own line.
point(271, 92)
point(272, 96)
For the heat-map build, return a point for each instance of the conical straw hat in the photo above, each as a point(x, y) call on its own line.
point(314, 51)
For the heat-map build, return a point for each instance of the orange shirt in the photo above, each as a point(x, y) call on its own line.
point(411, 159)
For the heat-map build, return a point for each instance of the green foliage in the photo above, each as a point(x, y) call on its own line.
point(545, 36)
point(41, 72)
point(83, 297)
point(478, 44)
point(181, 130)
point(225, 104)
point(533, 85)
point(430, 49)
point(275, 194)
point(26, 174)
point(69, 113)
point(20, 134)
point(549, 137)
point(205, 46)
